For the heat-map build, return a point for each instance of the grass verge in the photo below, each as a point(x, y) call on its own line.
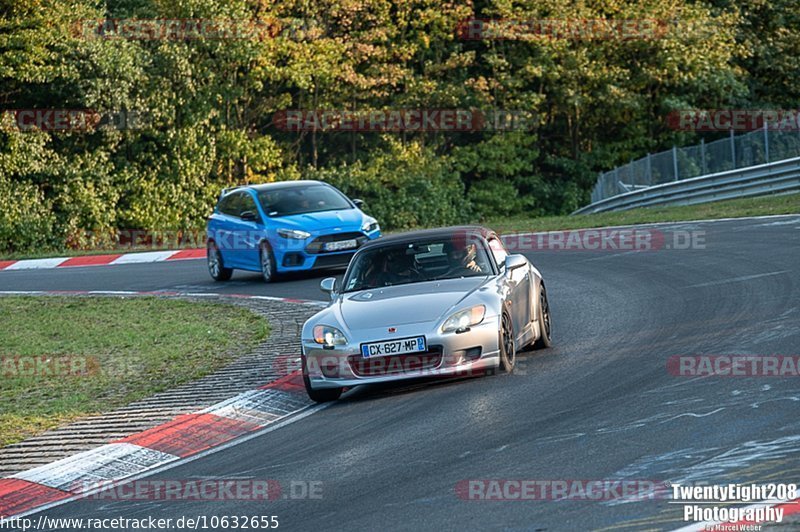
point(62, 358)
point(761, 206)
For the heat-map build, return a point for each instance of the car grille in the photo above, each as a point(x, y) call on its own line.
point(339, 260)
point(396, 364)
point(315, 246)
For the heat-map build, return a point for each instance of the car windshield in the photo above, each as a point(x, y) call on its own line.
point(445, 258)
point(302, 200)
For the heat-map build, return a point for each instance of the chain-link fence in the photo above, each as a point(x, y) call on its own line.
point(757, 147)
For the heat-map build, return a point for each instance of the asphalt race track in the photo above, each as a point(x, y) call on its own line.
point(600, 404)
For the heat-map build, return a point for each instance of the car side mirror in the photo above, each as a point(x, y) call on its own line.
point(248, 216)
point(358, 203)
point(515, 261)
point(328, 285)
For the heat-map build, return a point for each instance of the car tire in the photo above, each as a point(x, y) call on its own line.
point(545, 328)
point(324, 395)
point(508, 344)
point(267, 261)
point(216, 268)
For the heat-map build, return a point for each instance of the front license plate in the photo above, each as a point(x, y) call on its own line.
point(394, 347)
point(341, 244)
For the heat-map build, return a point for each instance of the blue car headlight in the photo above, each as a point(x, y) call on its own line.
point(295, 234)
point(370, 224)
point(464, 319)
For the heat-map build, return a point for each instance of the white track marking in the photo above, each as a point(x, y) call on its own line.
point(737, 279)
point(135, 258)
point(37, 264)
point(305, 412)
point(107, 462)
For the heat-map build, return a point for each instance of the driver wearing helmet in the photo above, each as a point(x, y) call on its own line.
point(397, 268)
point(401, 267)
point(461, 259)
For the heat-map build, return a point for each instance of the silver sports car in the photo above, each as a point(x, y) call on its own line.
point(438, 302)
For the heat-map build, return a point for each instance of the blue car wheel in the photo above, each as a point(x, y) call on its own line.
point(267, 261)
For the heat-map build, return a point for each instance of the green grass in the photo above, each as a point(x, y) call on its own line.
point(122, 350)
point(785, 204)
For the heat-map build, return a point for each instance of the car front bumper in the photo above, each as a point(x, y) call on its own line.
point(448, 354)
point(294, 255)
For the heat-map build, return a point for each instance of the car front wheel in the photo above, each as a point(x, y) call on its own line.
point(508, 347)
point(267, 260)
point(545, 338)
point(325, 395)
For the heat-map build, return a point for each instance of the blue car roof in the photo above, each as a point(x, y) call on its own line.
point(275, 186)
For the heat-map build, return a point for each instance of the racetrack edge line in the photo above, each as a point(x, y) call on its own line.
point(296, 416)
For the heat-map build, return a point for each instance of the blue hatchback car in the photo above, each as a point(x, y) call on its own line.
point(285, 227)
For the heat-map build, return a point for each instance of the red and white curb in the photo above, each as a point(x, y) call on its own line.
point(102, 260)
point(162, 293)
point(186, 437)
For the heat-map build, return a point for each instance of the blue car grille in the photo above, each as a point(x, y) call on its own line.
point(315, 246)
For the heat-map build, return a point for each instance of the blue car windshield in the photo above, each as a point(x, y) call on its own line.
point(302, 200)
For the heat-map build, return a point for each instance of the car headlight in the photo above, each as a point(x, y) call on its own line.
point(294, 233)
point(327, 335)
point(369, 225)
point(464, 319)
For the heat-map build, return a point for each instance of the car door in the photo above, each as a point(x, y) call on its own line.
point(224, 227)
point(248, 232)
point(519, 284)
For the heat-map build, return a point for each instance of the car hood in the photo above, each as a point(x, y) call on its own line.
point(347, 220)
point(404, 304)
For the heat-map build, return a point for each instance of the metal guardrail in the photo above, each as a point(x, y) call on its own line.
point(761, 146)
point(771, 178)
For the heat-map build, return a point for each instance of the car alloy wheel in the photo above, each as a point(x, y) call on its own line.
point(267, 262)
point(545, 327)
point(508, 348)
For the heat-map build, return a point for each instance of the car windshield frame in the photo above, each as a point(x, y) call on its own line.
point(271, 213)
point(482, 257)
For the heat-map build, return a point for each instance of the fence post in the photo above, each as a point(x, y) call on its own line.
point(766, 142)
point(601, 178)
point(675, 162)
point(703, 169)
point(733, 149)
point(649, 170)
